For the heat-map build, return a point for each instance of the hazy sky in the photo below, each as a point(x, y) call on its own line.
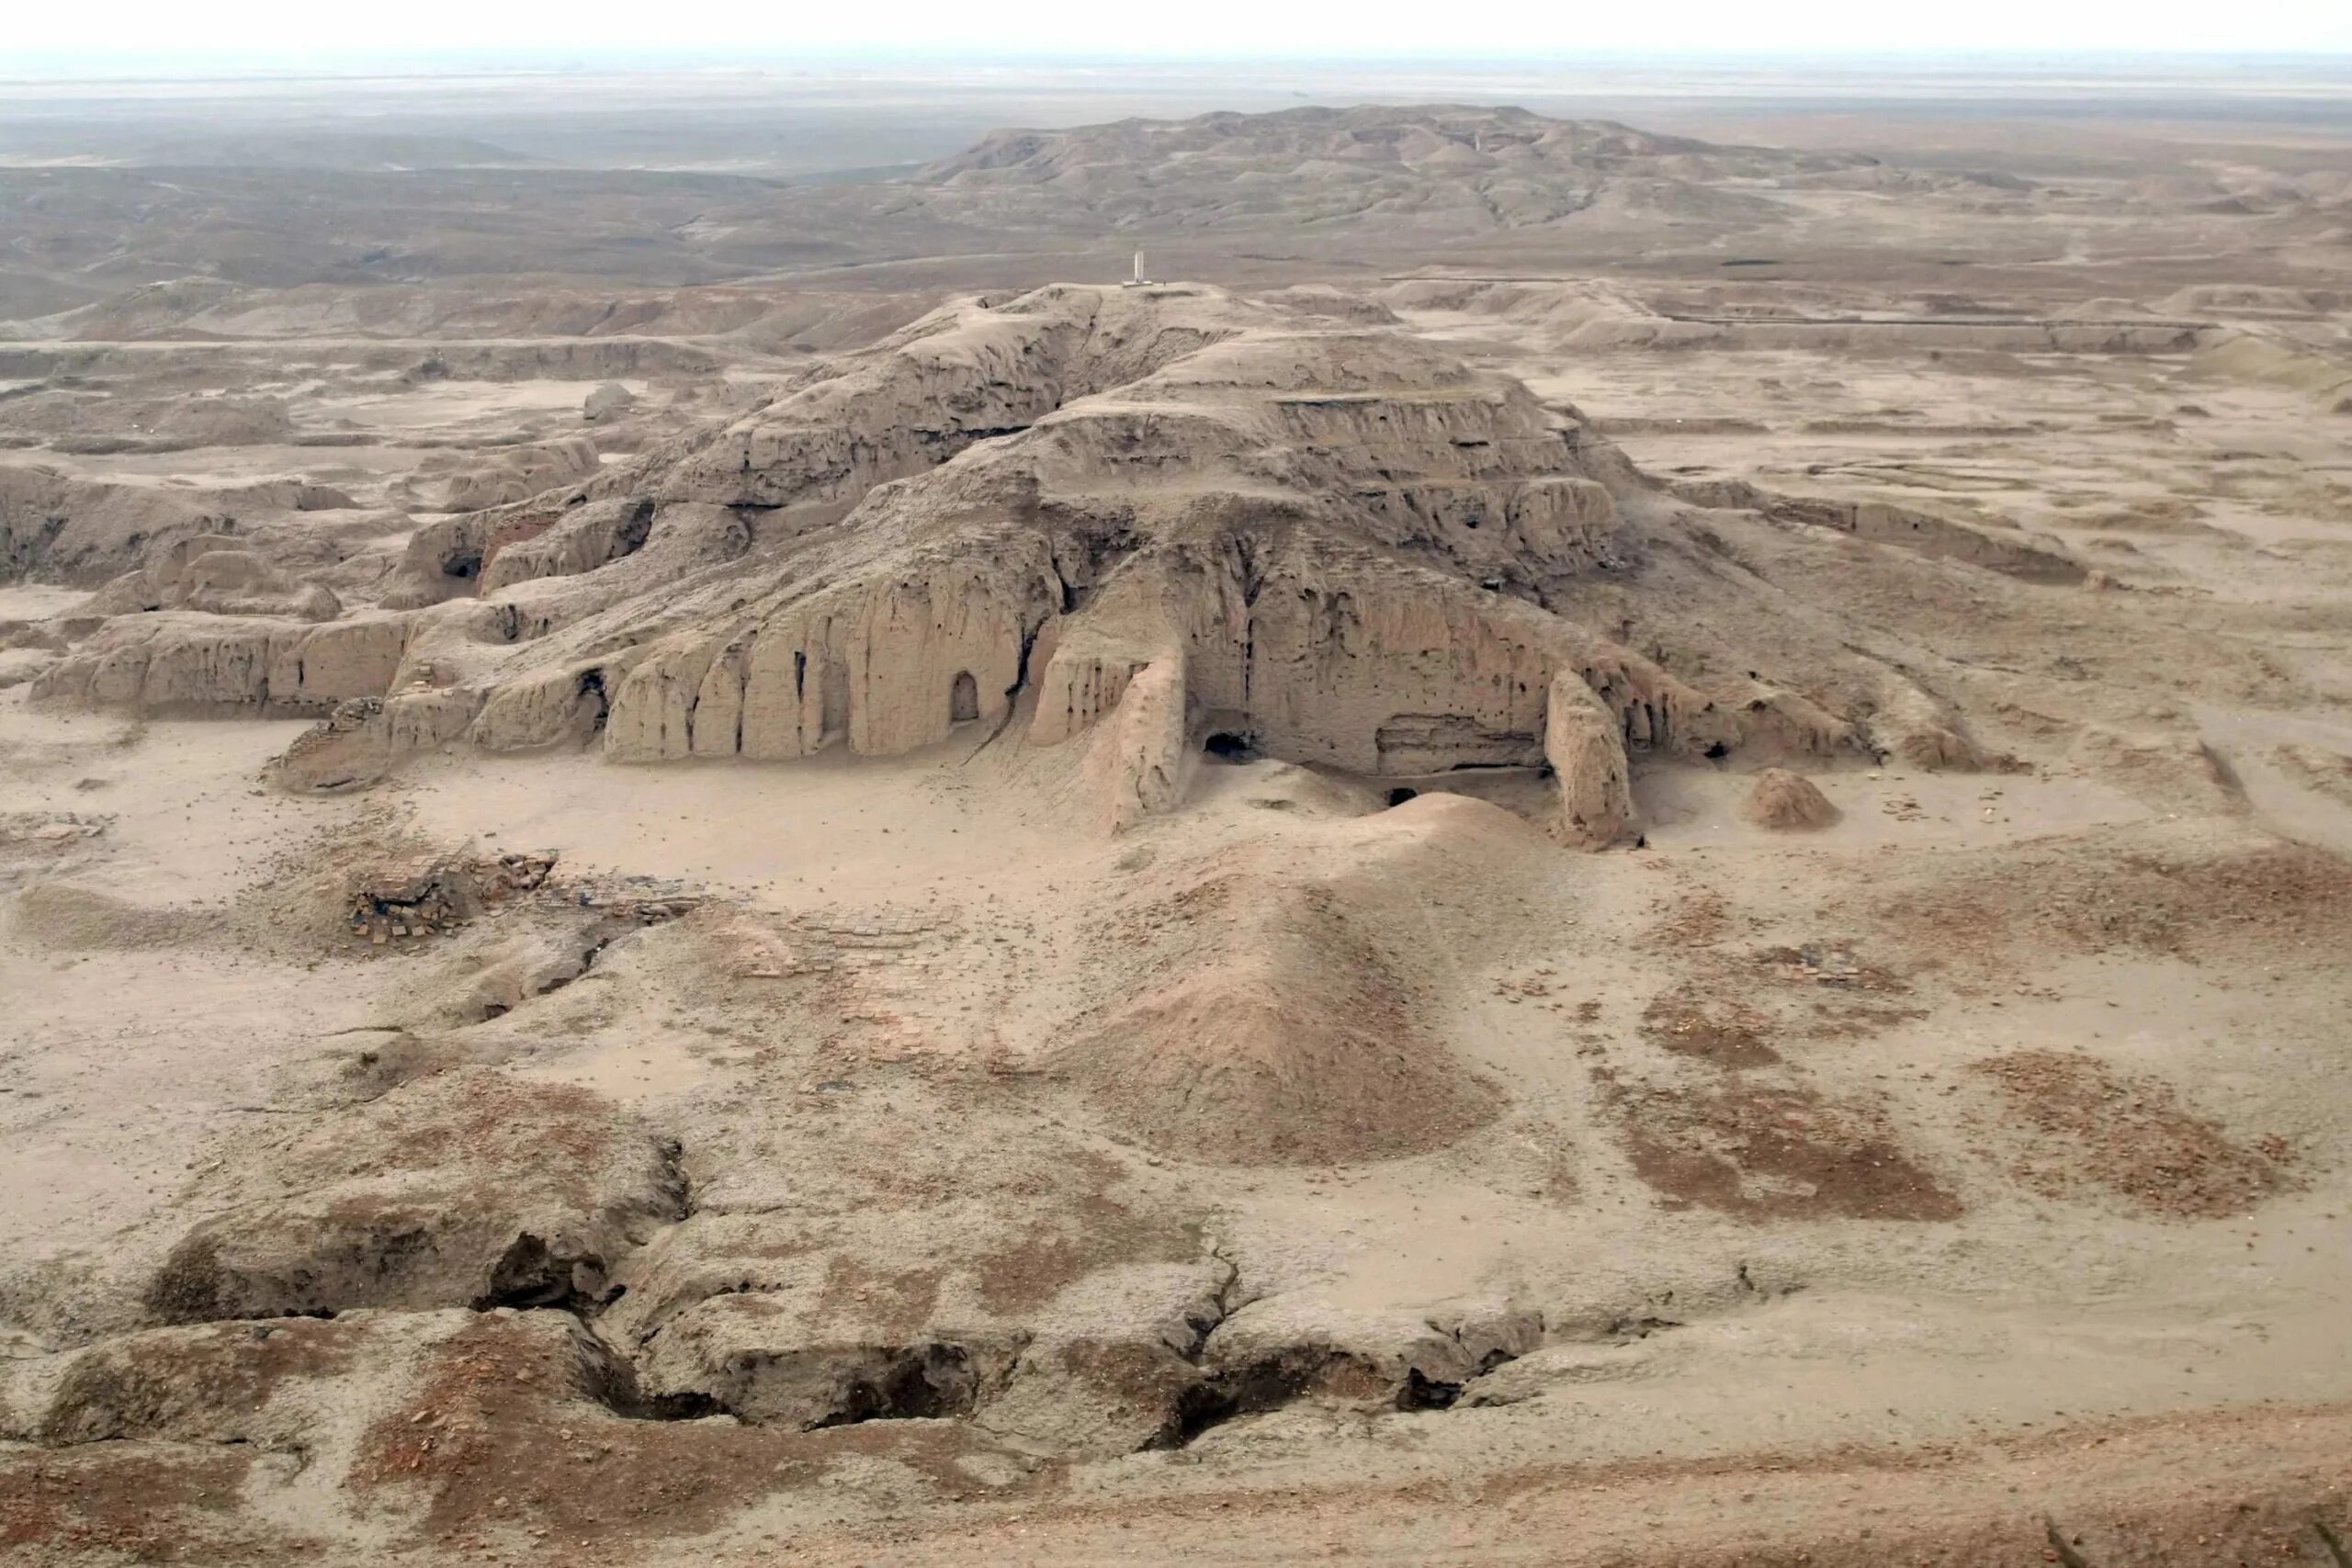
point(261, 31)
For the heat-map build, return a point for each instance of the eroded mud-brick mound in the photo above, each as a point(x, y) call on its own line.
point(1782, 799)
point(1299, 1049)
point(1118, 521)
point(1285, 1018)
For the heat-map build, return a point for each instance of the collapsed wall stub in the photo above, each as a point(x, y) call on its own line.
point(1585, 745)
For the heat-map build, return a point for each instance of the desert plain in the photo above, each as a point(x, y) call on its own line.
point(1618, 835)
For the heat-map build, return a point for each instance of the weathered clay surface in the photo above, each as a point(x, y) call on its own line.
point(463, 1190)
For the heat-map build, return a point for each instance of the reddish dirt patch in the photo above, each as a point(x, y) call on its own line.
point(1098, 1231)
point(891, 1305)
point(1146, 922)
point(1857, 1021)
point(1728, 1033)
point(506, 1436)
point(474, 1123)
point(1296, 1041)
point(172, 1383)
point(2088, 1125)
point(1772, 1154)
point(514, 531)
point(494, 1119)
point(1698, 918)
point(149, 1504)
point(1140, 1376)
point(501, 1435)
point(2289, 901)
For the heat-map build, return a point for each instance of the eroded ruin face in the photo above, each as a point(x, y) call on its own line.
point(1363, 554)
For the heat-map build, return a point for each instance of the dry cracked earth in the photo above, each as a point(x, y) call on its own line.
point(1609, 847)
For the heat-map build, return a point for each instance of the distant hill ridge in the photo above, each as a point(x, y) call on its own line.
point(1412, 136)
point(1455, 165)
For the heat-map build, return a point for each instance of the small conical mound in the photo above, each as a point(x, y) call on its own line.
point(1267, 1062)
point(1287, 1012)
point(1782, 799)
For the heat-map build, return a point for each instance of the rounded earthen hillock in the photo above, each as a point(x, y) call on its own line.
point(1783, 800)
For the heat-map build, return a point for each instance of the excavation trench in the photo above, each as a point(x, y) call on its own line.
point(529, 1275)
point(1292, 1373)
point(811, 1389)
point(1266, 1384)
point(926, 1376)
point(1287, 1374)
point(816, 1387)
point(420, 1260)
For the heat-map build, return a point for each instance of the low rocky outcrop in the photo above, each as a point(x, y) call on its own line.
point(219, 575)
point(55, 527)
point(606, 402)
point(184, 660)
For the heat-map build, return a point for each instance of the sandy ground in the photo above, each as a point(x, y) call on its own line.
point(1963, 1181)
point(1805, 1337)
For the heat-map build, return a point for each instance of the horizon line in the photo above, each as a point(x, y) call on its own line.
point(620, 58)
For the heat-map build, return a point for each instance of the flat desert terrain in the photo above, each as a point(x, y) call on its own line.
point(1621, 835)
